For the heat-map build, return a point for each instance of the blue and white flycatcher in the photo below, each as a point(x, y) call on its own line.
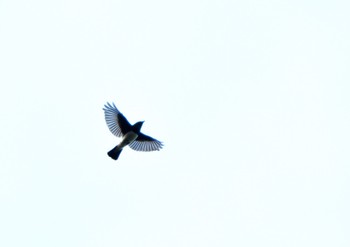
point(132, 137)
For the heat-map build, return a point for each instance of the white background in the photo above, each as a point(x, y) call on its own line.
point(251, 99)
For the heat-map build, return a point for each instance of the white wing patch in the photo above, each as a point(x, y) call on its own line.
point(111, 117)
point(146, 146)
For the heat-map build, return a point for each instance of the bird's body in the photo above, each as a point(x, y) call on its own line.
point(131, 134)
point(128, 138)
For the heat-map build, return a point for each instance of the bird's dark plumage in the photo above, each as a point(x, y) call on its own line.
point(120, 127)
point(115, 152)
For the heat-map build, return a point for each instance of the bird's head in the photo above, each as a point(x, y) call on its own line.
point(137, 127)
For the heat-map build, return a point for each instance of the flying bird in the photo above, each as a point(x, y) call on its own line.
point(132, 137)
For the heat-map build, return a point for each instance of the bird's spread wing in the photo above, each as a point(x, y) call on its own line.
point(116, 121)
point(146, 143)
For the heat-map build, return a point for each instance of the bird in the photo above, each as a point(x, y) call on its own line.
point(131, 134)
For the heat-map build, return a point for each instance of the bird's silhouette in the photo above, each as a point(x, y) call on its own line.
point(131, 134)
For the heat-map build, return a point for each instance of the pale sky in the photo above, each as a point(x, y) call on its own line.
point(251, 99)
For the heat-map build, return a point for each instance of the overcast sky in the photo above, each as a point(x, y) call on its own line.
point(251, 99)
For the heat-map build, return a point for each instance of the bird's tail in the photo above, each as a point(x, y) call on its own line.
point(115, 152)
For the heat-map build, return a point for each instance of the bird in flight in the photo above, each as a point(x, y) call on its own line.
point(132, 137)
